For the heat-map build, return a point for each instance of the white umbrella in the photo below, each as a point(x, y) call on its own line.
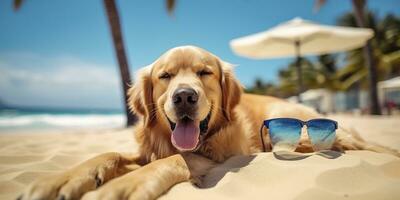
point(299, 37)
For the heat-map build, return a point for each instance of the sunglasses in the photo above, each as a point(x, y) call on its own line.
point(285, 133)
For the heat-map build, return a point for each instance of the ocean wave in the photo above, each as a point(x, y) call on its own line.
point(49, 120)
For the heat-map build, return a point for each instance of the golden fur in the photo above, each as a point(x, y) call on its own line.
point(233, 127)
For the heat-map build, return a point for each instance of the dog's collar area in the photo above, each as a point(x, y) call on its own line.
point(204, 124)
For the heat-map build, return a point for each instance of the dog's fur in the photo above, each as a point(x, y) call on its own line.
point(233, 129)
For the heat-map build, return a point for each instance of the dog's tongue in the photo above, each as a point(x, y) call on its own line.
point(185, 136)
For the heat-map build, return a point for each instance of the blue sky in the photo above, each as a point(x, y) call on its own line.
point(59, 53)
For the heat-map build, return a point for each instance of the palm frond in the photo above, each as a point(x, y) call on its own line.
point(356, 77)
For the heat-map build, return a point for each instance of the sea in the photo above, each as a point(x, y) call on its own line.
point(17, 119)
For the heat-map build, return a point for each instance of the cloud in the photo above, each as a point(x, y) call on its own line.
point(64, 81)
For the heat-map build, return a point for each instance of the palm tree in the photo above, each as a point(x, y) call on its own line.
point(385, 46)
point(115, 28)
point(288, 77)
point(320, 73)
point(262, 88)
point(359, 7)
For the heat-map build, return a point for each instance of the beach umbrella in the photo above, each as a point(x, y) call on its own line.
point(297, 38)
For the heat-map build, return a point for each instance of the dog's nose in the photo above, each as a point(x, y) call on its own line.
point(185, 96)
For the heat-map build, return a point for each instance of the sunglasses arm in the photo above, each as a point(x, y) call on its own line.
point(262, 138)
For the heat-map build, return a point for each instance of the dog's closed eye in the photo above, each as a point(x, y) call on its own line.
point(164, 75)
point(204, 72)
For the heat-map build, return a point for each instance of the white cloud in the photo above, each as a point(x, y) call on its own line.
point(29, 79)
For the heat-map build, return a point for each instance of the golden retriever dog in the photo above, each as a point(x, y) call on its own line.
point(193, 116)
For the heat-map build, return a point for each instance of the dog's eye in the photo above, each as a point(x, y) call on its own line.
point(204, 73)
point(165, 75)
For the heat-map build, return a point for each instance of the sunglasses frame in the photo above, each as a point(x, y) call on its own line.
point(303, 123)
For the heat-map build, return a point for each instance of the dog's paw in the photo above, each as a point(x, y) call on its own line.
point(145, 183)
point(122, 188)
point(73, 183)
point(64, 186)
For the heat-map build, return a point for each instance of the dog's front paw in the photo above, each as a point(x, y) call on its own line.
point(133, 186)
point(73, 183)
point(145, 183)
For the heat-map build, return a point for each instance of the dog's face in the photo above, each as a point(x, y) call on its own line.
point(189, 92)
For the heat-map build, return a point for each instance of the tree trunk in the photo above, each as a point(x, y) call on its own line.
point(358, 7)
point(115, 27)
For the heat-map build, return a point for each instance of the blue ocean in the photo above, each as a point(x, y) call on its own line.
point(20, 119)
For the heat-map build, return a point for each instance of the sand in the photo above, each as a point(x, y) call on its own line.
point(25, 157)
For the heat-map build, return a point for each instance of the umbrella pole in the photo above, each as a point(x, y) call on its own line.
point(299, 74)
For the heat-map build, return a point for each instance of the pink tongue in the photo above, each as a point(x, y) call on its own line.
point(185, 136)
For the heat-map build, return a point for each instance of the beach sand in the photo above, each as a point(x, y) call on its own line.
point(26, 156)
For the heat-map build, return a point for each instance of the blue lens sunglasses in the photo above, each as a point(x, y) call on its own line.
point(285, 133)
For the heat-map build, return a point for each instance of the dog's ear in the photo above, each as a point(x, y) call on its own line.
point(141, 96)
point(231, 89)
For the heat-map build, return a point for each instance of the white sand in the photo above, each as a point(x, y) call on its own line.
point(356, 175)
point(25, 157)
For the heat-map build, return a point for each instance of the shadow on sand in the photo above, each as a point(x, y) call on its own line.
point(287, 155)
point(231, 165)
point(235, 163)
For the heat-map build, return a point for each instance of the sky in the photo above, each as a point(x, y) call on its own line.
point(60, 53)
